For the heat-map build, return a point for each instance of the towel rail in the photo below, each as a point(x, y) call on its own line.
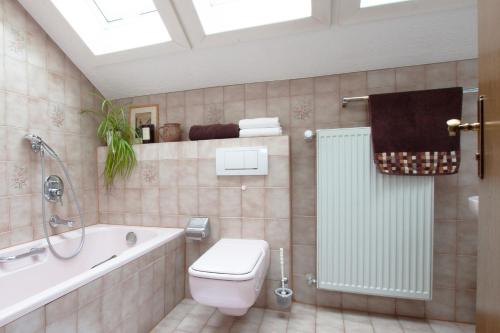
point(347, 100)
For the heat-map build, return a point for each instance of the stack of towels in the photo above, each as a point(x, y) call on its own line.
point(260, 127)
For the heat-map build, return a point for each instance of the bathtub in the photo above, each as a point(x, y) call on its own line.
point(30, 283)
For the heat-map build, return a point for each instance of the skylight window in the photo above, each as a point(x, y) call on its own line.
point(227, 15)
point(373, 3)
point(108, 26)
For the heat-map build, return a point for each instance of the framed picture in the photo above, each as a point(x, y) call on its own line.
point(144, 115)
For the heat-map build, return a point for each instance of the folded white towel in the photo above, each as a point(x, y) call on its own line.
point(253, 132)
point(272, 122)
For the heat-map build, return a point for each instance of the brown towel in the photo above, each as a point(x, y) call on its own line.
point(215, 131)
point(409, 132)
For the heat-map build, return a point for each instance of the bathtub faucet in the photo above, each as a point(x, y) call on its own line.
point(55, 221)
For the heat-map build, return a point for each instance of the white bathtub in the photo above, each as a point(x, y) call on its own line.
point(29, 283)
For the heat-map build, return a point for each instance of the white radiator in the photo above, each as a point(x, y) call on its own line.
point(374, 231)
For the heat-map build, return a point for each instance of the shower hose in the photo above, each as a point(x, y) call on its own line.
point(73, 192)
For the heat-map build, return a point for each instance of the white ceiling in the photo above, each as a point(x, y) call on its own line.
point(339, 38)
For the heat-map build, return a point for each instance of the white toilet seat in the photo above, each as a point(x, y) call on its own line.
point(230, 259)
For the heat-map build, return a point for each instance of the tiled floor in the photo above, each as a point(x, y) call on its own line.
point(190, 317)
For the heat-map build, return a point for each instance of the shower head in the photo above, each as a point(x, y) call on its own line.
point(39, 146)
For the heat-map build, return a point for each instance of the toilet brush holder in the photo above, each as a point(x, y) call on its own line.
point(283, 297)
point(283, 294)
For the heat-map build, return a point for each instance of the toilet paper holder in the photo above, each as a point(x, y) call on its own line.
point(198, 228)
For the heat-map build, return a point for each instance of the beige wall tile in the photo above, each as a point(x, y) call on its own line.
point(255, 108)
point(467, 237)
point(187, 173)
point(444, 270)
point(274, 208)
point(467, 73)
point(304, 230)
point(410, 308)
point(327, 84)
point(302, 111)
point(234, 111)
point(230, 227)
point(278, 89)
point(206, 173)
point(303, 293)
point(410, 78)
point(445, 233)
point(384, 78)
point(32, 322)
point(304, 259)
point(279, 107)
point(465, 306)
point(466, 272)
point(234, 93)
point(301, 86)
point(328, 299)
point(441, 75)
point(61, 307)
point(194, 97)
point(188, 201)
point(442, 306)
point(230, 202)
point(168, 173)
point(208, 198)
point(326, 109)
point(213, 95)
point(355, 302)
point(252, 228)
point(175, 99)
point(276, 234)
point(252, 202)
point(383, 305)
point(255, 91)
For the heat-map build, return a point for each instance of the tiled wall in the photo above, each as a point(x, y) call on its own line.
point(312, 103)
point(132, 298)
point(41, 92)
point(175, 181)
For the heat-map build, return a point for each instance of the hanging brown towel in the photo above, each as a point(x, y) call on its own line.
point(409, 132)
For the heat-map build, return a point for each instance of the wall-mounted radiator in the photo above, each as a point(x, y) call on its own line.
point(374, 231)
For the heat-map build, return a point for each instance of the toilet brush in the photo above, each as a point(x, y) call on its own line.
point(282, 265)
point(283, 294)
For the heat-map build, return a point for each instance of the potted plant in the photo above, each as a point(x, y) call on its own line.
point(119, 136)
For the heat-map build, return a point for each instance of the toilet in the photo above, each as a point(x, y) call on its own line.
point(230, 275)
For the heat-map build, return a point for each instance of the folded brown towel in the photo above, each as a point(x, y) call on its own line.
point(409, 132)
point(215, 131)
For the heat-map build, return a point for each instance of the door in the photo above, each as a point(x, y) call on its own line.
point(488, 285)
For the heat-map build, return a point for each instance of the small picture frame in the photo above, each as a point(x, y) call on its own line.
point(144, 115)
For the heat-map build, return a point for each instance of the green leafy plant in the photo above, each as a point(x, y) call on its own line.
point(117, 133)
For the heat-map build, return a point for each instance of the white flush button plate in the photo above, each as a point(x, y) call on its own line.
point(241, 161)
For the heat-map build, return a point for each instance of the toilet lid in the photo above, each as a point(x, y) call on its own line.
point(230, 257)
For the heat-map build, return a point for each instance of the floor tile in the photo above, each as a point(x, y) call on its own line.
point(191, 317)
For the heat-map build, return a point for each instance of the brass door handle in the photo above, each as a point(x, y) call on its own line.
point(455, 125)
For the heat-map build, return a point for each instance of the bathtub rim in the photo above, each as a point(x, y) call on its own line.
point(34, 302)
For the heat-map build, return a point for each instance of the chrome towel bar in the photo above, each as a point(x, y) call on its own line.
point(33, 251)
point(347, 100)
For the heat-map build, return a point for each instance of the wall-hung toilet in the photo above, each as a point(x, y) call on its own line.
point(229, 275)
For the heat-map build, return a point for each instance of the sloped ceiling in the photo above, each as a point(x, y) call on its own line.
point(338, 46)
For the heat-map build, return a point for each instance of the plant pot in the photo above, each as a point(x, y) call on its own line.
point(170, 132)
